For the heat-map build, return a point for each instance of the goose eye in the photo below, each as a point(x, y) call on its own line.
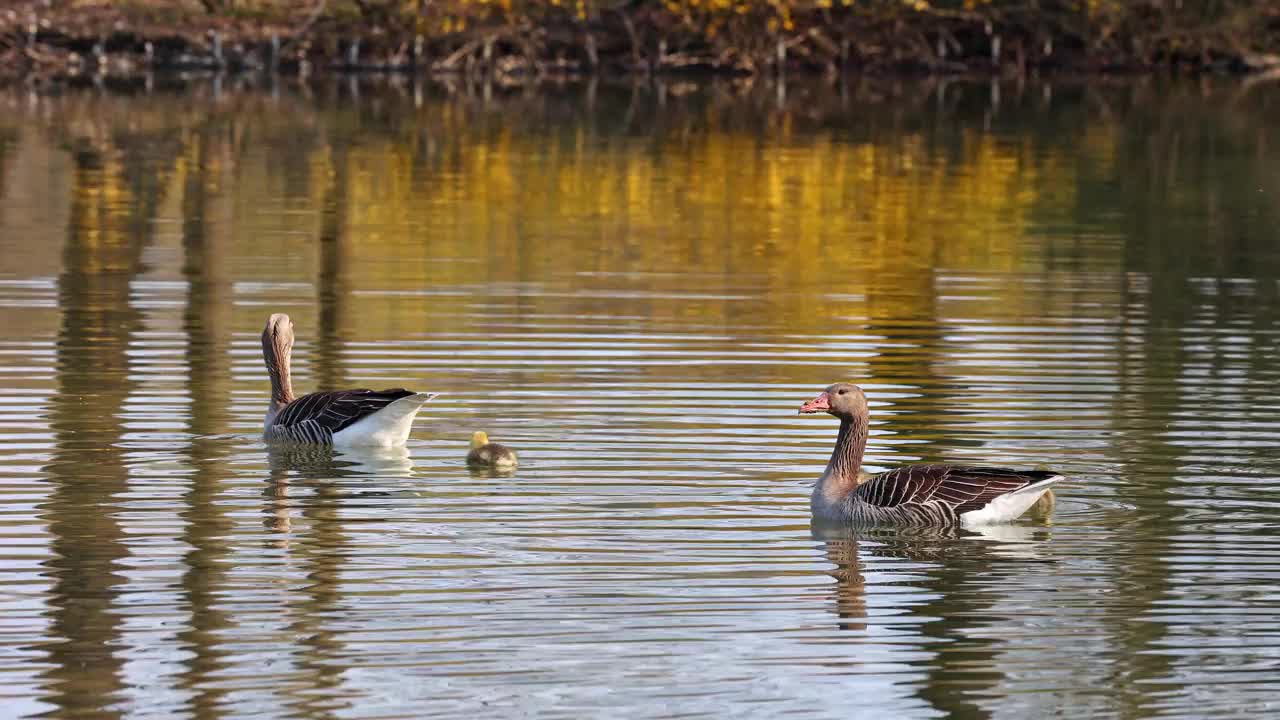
point(842, 391)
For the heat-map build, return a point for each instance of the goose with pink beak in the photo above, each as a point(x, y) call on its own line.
point(911, 495)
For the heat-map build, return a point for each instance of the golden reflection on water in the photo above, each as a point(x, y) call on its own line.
point(868, 199)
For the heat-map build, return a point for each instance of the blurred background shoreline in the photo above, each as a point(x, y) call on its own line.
point(532, 40)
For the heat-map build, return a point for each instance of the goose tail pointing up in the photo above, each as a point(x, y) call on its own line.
point(1011, 505)
point(386, 427)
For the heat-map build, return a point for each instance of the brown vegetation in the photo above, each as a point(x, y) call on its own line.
point(534, 38)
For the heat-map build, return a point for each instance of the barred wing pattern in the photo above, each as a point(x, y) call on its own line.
point(935, 494)
point(316, 417)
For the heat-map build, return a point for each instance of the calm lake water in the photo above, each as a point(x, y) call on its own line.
point(637, 288)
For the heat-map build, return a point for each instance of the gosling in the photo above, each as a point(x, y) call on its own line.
point(486, 454)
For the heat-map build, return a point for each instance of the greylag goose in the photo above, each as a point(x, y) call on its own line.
point(913, 494)
point(486, 454)
point(342, 417)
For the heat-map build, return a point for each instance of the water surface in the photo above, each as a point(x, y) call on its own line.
point(636, 287)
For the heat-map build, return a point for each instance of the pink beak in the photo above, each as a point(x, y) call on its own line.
point(822, 403)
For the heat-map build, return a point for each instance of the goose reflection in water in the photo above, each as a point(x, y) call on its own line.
point(942, 588)
point(850, 549)
point(322, 468)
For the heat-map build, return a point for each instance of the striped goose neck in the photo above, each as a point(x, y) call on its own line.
point(276, 351)
point(841, 476)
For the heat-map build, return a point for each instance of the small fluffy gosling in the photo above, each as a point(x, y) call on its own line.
point(486, 454)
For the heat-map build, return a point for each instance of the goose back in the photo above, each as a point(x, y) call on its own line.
point(318, 417)
point(917, 495)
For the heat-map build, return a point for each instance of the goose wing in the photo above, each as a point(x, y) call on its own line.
point(960, 487)
point(318, 416)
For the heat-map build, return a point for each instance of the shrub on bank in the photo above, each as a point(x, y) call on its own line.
point(748, 36)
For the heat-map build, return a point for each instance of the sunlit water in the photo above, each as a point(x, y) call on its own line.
point(636, 288)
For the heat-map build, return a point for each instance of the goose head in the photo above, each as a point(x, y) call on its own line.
point(277, 336)
point(479, 439)
point(844, 400)
point(277, 347)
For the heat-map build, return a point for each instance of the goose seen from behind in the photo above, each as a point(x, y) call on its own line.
point(380, 418)
point(912, 495)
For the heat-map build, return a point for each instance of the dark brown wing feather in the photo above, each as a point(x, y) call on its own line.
point(334, 411)
point(963, 488)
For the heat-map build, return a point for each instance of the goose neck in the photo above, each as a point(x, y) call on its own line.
point(276, 356)
point(841, 476)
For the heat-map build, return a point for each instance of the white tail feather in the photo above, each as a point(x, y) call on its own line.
point(1009, 506)
point(387, 427)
